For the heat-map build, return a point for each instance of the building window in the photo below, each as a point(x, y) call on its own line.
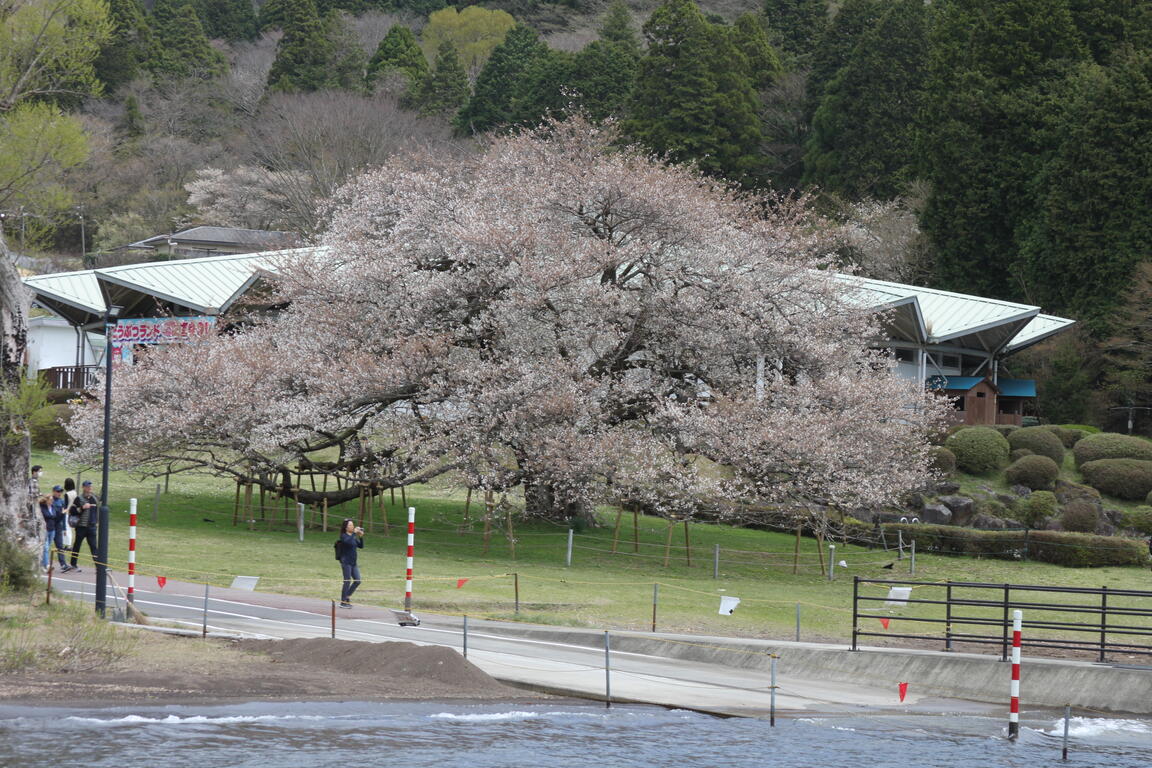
point(904, 355)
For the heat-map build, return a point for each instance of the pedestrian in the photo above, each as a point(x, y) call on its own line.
point(351, 539)
point(70, 495)
point(34, 488)
point(57, 524)
point(84, 510)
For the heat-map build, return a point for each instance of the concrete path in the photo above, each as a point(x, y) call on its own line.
point(712, 674)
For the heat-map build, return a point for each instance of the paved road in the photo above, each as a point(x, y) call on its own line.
point(510, 653)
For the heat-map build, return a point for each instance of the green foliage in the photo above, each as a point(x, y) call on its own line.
point(1058, 547)
point(228, 19)
point(127, 47)
point(617, 27)
point(133, 124)
point(48, 430)
point(1005, 429)
point(1020, 453)
point(1080, 517)
point(796, 24)
point(1039, 440)
point(474, 32)
point(1038, 507)
point(48, 49)
point(835, 45)
point(445, 88)
point(348, 66)
point(1112, 25)
point(18, 570)
point(273, 14)
point(39, 146)
point(1138, 518)
point(694, 98)
point(978, 450)
point(943, 460)
point(1110, 445)
point(305, 53)
point(602, 76)
point(546, 89)
point(863, 132)
point(1122, 478)
point(1035, 472)
point(180, 48)
point(504, 77)
point(750, 36)
point(398, 52)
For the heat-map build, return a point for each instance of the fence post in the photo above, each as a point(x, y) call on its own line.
point(912, 560)
point(831, 562)
point(1004, 641)
point(333, 609)
point(300, 520)
point(607, 672)
point(204, 626)
point(655, 599)
point(948, 617)
point(568, 559)
point(855, 610)
point(465, 635)
point(1014, 705)
point(1067, 717)
point(772, 704)
point(716, 562)
point(1103, 621)
point(516, 587)
point(900, 544)
point(156, 504)
point(797, 622)
point(131, 551)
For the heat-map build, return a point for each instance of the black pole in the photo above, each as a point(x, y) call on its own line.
point(102, 527)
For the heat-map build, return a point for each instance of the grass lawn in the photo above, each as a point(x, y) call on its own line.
point(193, 539)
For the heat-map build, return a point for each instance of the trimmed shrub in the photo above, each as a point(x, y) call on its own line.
point(1138, 518)
point(943, 460)
point(1122, 478)
point(1068, 436)
point(1039, 506)
point(978, 450)
point(18, 571)
point(1019, 453)
point(1080, 516)
point(48, 429)
point(1109, 445)
point(1087, 429)
point(1039, 440)
point(1005, 429)
point(1035, 472)
point(1058, 547)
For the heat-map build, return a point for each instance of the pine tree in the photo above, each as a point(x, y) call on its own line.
point(398, 52)
point(133, 125)
point(546, 89)
point(835, 45)
point(693, 97)
point(602, 78)
point(750, 35)
point(228, 19)
point(121, 57)
point(500, 80)
point(273, 14)
point(445, 88)
point(862, 137)
point(304, 53)
point(797, 24)
point(1095, 219)
point(1109, 26)
point(348, 64)
point(617, 26)
point(179, 46)
point(995, 85)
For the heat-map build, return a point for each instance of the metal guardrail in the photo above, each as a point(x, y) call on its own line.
point(962, 609)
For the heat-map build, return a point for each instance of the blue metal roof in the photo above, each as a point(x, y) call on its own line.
point(1017, 387)
point(953, 383)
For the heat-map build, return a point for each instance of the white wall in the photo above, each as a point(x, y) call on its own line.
point(52, 343)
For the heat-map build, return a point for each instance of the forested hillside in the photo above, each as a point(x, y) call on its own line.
point(997, 147)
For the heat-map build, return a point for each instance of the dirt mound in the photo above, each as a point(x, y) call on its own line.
point(404, 665)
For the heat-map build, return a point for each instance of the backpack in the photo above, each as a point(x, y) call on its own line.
point(336, 546)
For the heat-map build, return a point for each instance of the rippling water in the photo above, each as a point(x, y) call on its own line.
point(446, 735)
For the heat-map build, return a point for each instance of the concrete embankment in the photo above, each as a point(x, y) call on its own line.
point(1119, 686)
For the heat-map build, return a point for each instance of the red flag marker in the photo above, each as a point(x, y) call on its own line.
point(161, 581)
point(884, 623)
point(903, 691)
point(461, 582)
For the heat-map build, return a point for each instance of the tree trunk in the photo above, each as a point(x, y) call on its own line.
point(18, 520)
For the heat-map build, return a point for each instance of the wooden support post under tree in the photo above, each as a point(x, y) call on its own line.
point(392, 491)
point(616, 530)
point(635, 530)
point(668, 542)
point(820, 551)
point(262, 492)
point(361, 523)
point(467, 509)
point(687, 544)
point(324, 515)
point(384, 513)
point(796, 553)
point(508, 523)
point(403, 498)
point(487, 517)
point(248, 504)
point(236, 506)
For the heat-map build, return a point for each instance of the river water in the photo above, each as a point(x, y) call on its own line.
point(454, 734)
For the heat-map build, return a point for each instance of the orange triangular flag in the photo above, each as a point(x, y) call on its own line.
point(884, 623)
point(161, 581)
point(903, 691)
point(461, 582)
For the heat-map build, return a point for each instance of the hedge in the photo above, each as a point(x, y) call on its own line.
point(942, 460)
point(1035, 472)
point(1110, 445)
point(979, 450)
point(1122, 478)
point(1139, 518)
point(1057, 547)
point(1040, 440)
point(1068, 435)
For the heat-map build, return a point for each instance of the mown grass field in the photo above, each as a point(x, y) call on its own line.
point(193, 539)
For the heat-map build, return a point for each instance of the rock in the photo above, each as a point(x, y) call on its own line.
point(1013, 525)
point(960, 507)
point(1022, 491)
point(1007, 500)
point(1114, 516)
point(936, 514)
point(914, 502)
point(1067, 492)
point(947, 488)
point(988, 523)
point(1105, 528)
point(1051, 524)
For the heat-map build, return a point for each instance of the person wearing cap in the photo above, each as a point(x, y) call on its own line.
point(84, 508)
point(55, 519)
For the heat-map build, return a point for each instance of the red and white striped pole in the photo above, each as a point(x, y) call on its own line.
point(132, 550)
point(1014, 707)
point(411, 543)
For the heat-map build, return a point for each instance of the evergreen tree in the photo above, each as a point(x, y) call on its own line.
point(398, 52)
point(617, 26)
point(273, 14)
point(1095, 220)
point(500, 80)
point(693, 97)
point(444, 89)
point(835, 45)
point(304, 53)
point(797, 24)
point(750, 35)
point(121, 57)
point(862, 137)
point(546, 89)
point(995, 86)
point(1109, 26)
point(133, 125)
point(602, 78)
point(348, 64)
point(228, 19)
point(179, 46)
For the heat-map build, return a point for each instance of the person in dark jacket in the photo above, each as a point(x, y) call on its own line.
point(351, 539)
point(55, 521)
point(86, 507)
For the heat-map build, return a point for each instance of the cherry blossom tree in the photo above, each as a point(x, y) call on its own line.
point(555, 313)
